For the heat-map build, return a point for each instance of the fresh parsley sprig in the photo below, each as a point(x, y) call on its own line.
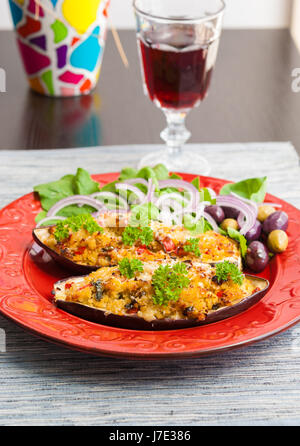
point(193, 246)
point(227, 270)
point(132, 234)
point(168, 283)
point(74, 224)
point(128, 267)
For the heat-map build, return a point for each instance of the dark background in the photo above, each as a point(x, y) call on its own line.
point(250, 99)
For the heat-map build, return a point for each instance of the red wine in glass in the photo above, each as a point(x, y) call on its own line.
point(177, 69)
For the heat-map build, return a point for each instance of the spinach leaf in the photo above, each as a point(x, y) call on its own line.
point(253, 189)
point(161, 172)
point(83, 183)
point(200, 227)
point(68, 185)
point(127, 174)
point(235, 235)
point(51, 193)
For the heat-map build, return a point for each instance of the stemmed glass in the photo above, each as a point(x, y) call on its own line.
point(178, 43)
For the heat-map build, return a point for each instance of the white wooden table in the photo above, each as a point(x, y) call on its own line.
point(42, 384)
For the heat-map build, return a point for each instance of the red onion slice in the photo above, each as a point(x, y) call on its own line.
point(121, 200)
point(235, 203)
point(80, 200)
point(245, 200)
point(212, 192)
point(173, 196)
point(180, 184)
point(151, 191)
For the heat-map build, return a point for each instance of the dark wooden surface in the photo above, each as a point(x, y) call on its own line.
point(250, 99)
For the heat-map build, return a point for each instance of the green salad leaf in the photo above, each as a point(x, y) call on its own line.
point(50, 193)
point(196, 183)
point(204, 192)
point(157, 173)
point(142, 214)
point(206, 196)
point(236, 235)
point(200, 227)
point(83, 183)
point(174, 176)
point(253, 189)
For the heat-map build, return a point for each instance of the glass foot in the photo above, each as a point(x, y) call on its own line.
point(183, 161)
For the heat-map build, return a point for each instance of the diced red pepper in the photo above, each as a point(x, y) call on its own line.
point(80, 250)
point(220, 293)
point(142, 249)
point(68, 285)
point(168, 244)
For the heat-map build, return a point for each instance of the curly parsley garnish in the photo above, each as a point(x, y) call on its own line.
point(74, 224)
point(132, 234)
point(168, 282)
point(227, 270)
point(193, 246)
point(128, 267)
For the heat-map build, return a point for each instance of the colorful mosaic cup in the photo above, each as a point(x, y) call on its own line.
point(61, 43)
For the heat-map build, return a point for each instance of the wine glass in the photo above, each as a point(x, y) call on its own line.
point(178, 43)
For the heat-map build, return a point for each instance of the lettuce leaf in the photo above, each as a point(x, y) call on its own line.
point(79, 184)
point(253, 189)
point(235, 235)
point(200, 227)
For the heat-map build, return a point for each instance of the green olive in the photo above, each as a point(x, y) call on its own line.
point(229, 223)
point(264, 211)
point(278, 241)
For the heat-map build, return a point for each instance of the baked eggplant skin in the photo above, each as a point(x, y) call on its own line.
point(68, 264)
point(134, 322)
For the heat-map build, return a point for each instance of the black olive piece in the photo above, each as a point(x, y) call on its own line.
point(99, 289)
point(217, 281)
point(188, 263)
point(131, 304)
point(216, 306)
point(188, 310)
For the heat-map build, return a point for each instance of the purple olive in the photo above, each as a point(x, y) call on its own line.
point(257, 257)
point(277, 220)
point(254, 233)
point(231, 213)
point(216, 213)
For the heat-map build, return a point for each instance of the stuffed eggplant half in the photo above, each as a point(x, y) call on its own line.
point(160, 295)
point(83, 244)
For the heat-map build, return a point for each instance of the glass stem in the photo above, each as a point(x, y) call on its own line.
point(176, 133)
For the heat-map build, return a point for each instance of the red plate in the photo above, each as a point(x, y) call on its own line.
point(25, 290)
